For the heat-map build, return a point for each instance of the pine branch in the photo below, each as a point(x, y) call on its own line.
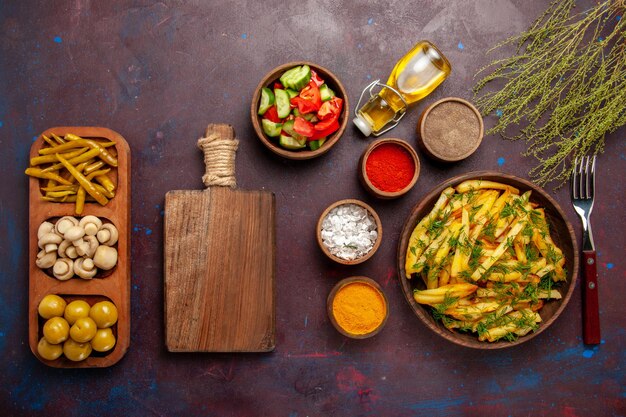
point(565, 87)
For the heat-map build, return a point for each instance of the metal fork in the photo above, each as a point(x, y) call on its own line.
point(583, 192)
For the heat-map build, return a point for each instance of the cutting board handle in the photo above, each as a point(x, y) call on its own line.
point(219, 146)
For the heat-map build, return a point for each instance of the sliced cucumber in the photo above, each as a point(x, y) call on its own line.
point(296, 78)
point(288, 142)
point(311, 117)
point(292, 93)
point(267, 100)
point(288, 128)
point(326, 93)
point(316, 144)
point(282, 103)
point(271, 129)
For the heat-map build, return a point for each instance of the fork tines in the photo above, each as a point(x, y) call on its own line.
point(583, 178)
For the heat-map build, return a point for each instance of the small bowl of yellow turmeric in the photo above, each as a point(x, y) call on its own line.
point(357, 307)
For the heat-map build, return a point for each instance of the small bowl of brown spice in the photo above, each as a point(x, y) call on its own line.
point(450, 130)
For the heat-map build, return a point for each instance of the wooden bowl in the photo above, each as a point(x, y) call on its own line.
point(448, 152)
point(115, 286)
point(331, 299)
point(562, 233)
point(272, 144)
point(365, 179)
point(379, 228)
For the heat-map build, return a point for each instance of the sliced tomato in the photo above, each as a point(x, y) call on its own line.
point(325, 128)
point(272, 115)
point(303, 127)
point(316, 78)
point(312, 93)
point(330, 108)
point(278, 86)
point(304, 106)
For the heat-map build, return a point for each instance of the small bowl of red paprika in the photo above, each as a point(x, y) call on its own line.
point(309, 120)
point(389, 168)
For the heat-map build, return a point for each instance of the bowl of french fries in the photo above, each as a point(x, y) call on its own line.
point(487, 260)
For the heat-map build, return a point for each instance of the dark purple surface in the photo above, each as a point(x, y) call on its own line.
point(158, 73)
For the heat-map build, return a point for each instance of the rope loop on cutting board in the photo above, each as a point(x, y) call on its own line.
point(219, 160)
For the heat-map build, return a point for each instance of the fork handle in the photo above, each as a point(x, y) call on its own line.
point(591, 313)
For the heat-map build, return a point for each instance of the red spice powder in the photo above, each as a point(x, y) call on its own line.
point(389, 167)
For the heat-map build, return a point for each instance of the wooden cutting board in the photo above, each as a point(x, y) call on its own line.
point(219, 267)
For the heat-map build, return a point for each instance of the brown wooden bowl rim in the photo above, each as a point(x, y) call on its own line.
point(424, 140)
point(272, 76)
point(469, 339)
point(343, 283)
point(379, 229)
point(363, 173)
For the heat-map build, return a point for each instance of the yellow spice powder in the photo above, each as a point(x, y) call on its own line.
point(359, 308)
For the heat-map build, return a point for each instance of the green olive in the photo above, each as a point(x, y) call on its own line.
point(51, 306)
point(75, 310)
point(49, 351)
point(103, 341)
point(83, 330)
point(56, 330)
point(104, 314)
point(75, 351)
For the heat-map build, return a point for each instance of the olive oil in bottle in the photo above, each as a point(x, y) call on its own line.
point(414, 76)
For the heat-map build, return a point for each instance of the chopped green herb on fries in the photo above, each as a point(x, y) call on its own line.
point(487, 260)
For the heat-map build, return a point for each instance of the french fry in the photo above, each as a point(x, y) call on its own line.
point(431, 250)
point(441, 253)
point(414, 248)
point(438, 295)
point(459, 262)
point(483, 253)
point(519, 224)
point(473, 185)
point(444, 275)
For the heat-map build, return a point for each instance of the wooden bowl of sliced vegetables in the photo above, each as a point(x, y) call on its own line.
point(299, 110)
point(487, 260)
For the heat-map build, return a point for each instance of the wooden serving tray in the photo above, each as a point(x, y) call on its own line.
point(116, 285)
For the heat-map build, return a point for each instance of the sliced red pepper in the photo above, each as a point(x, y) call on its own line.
point(304, 106)
point(278, 86)
point(316, 78)
point(303, 127)
point(331, 107)
point(325, 128)
point(312, 93)
point(272, 115)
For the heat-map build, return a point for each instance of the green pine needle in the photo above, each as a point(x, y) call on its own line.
point(565, 87)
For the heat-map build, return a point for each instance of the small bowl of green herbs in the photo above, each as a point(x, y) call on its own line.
point(299, 110)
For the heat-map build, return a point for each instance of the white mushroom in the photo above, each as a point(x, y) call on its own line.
point(63, 269)
point(71, 251)
point(105, 257)
point(91, 225)
point(108, 234)
point(65, 223)
point(74, 233)
point(49, 242)
point(85, 268)
point(88, 247)
point(45, 259)
point(62, 250)
point(44, 229)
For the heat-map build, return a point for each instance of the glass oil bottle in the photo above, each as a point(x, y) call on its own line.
point(415, 76)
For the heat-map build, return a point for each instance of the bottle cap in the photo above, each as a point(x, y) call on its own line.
point(362, 124)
